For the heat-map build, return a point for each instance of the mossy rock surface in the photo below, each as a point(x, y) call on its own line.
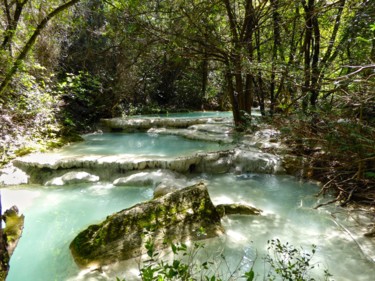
point(177, 217)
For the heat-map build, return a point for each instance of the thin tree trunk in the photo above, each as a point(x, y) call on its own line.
point(261, 93)
point(233, 98)
point(30, 43)
point(204, 76)
point(276, 46)
point(12, 22)
point(315, 87)
point(308, 7)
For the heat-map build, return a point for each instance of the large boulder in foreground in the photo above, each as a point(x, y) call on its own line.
point(177, 216)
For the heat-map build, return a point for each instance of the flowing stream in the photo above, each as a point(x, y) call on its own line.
point(55, 215)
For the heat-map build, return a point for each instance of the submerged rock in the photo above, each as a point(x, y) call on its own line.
point(221, 132)
point(177, 216)
point(73, 178)
point(237, 209)
point(164, 181)
point(149, 177)
point(167, 186)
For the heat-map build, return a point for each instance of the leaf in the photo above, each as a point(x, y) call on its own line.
point(364, 40)
point(370, 175)
point(174, 248)
point(250, 275)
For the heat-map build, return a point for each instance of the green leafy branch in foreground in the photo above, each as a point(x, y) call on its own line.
point(283, 262)
point(289, 263)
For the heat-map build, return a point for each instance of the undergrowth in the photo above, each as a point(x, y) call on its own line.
point(338, 151)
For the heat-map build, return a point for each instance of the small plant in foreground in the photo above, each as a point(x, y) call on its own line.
point(283, 262)
point(289, 263)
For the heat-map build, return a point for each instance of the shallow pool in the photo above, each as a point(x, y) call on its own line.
point(139, 144)
point(194, 114)
point(54, 216)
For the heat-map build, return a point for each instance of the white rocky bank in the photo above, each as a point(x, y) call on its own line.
point(247, 156)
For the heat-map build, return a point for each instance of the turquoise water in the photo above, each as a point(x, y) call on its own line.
point(140, 144)
point(195, 114)
point(55, 215)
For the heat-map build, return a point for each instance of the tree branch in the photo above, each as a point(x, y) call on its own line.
point(30, 43)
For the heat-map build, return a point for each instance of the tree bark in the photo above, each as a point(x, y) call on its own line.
point(12, 22)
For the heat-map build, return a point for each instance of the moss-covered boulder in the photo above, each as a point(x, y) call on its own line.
point(187, 214)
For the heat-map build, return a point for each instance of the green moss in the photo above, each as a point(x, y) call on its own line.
point(172, 211)
point(143, 223)
point(24, 151)
point(14, 226)
point(202, 205)
point(80, 242)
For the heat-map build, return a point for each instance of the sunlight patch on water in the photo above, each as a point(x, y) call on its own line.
point(22, 198)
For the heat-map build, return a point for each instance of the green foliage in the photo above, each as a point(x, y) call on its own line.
point(81, 87)
point(23, 151)
point(283, 262)
point(28, 123)
point(339, 146)
point(180, 268)
point(82, 95)
point(370, 175)
point(290, 263)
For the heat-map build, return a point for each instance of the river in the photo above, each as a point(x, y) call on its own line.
point(54, 215)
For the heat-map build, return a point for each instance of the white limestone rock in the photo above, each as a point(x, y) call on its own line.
point(73, 178)
point(257, 162)
point(11, 175)
point(149, 177)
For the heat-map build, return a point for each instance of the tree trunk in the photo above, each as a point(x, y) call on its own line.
point(233, 99)
point(30, 43)
point(204, 66)
point(276, 46)
point(12, 22)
